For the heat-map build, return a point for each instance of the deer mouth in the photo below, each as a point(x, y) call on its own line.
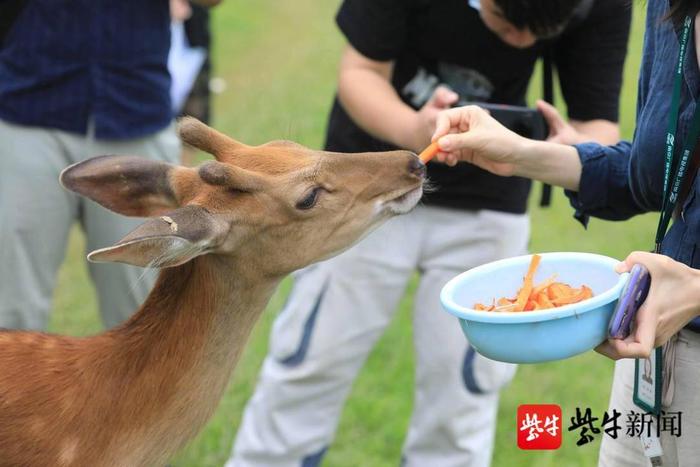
point(405, 201)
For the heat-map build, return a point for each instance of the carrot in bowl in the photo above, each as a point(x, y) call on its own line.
point(531, 297)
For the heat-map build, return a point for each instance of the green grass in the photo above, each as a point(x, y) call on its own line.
point(279, 58)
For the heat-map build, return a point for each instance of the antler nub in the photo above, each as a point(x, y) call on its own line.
point(201, 136)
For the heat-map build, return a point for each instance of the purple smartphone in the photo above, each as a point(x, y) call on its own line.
point(633, 295)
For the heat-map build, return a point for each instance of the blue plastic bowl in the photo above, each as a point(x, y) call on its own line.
point(535, 336)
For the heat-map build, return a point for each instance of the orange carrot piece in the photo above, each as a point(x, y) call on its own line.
point(545, 295)
point(429, 152)
point(524, 293)
point(575, 297)
point(558, 290)
point(543, 301)
point(536, 290)
point(504, 302)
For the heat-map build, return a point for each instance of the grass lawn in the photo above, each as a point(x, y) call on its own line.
point(279, 60)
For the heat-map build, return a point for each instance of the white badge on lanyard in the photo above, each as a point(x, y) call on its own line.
point(647, 396)
point(648, 382)
point(651, 445)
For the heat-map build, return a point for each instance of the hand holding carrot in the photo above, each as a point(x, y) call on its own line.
point(470, 134)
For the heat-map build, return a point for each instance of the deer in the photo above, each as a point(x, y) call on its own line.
point(223, 235)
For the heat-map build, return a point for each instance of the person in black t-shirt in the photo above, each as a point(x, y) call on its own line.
point(396, 74)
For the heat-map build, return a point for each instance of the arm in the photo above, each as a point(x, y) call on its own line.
point(673, 301)
point(578, 131)
point(206, 3)
point(596, 177)
point(470, 134)
point(598, 130)
point(589, 59)
point(367, 95)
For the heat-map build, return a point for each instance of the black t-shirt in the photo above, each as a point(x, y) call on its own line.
point(445, 41)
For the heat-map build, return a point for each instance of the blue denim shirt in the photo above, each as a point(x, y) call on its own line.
point(65, 62)
point(626, 179)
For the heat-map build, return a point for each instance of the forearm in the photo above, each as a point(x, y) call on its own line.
point(599, 130)
point(552, 163)
point(206, 3)
point(374, 105)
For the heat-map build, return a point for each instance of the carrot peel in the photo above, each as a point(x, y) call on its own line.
point(548, 294)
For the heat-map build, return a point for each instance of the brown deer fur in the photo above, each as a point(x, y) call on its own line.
point(228, 232)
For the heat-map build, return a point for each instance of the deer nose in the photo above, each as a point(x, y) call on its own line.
point(417, 167)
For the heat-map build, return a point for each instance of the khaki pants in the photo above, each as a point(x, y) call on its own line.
point(336, 312)
point(36, 215)
point(683, 451)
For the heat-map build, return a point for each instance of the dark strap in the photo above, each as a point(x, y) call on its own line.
point(580, 14)
point(9, 11)
point(548, 94)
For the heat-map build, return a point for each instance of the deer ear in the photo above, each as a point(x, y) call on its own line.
point(129, 185)
point(168, 240)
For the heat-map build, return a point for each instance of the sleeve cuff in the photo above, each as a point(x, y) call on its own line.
point(591, 194)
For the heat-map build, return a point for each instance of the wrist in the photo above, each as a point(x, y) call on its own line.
point(407, 131)
point(553, 163)
point(695, 285)
point(525, 153)
point(412, 132)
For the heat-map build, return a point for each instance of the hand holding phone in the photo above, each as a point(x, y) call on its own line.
point(633, 295)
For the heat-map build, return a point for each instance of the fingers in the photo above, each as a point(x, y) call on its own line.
point(443, 98)
point(607, 349)
point(453, 142)
point(459, 119)
point(640, 343)
point(551, 116)
point(649, 260)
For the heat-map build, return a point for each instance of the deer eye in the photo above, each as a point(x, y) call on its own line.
point(309, 199)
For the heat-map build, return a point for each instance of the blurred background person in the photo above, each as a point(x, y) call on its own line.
point(77, 79)
point(189, 64)
point(404, 62)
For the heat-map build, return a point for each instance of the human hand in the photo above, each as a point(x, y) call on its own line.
point(180, 10)
point(424, 124)
point(673, 301)
point(560, 131)
point(470, 134)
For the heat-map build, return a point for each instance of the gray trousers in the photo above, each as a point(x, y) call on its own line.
point(678, 451)
point(36, 215)
point(337, 311)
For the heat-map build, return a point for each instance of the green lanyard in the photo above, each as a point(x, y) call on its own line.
point(670, 196)
point(649, 399)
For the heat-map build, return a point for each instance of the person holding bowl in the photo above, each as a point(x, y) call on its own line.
point(655, 172)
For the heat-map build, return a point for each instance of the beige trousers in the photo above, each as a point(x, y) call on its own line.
point(335, 314)
point(683, 450)
point(36, 215)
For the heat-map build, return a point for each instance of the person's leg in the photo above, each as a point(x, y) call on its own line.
point(334, 315)
point(625, 450)
point(36, 214)
point(120, 288)
point(456, 401)
point(682, 450)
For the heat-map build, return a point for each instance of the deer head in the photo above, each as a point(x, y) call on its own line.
point(275, 207)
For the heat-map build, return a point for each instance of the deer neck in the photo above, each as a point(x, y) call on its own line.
point(178, 351)
point(204, 305)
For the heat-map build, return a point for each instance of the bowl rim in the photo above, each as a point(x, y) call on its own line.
point(469, 314)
